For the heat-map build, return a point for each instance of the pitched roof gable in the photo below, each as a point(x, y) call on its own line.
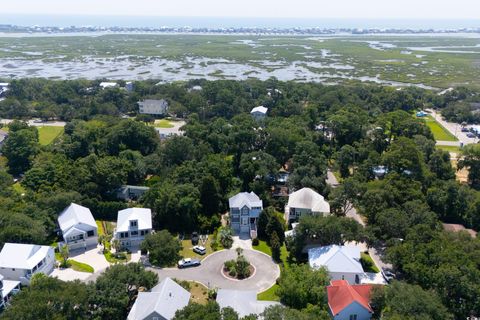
point(307, 198)
point(336, 258)
point(142, 215)
point(74, 215)
point(341, 294)
point(243, 199)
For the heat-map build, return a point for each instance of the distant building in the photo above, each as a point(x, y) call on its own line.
point(349, 302)
point(129, 86)
point(421, 114)
point(128, 192)
point(3, 136)
point(105, 85)
point(3, 88)
point(243, 302)
point(160, 303)
point(245, 208)
point(305, 201)
point(259, 113)
point(19, 262)
point(153, 107)
point(451, 227)
point(78, 226)
point(133, 224)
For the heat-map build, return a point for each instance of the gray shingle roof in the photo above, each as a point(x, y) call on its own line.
point(164, 299)
point(243, 302)
point(245, 199)
point(307, 198)
point(75, 215)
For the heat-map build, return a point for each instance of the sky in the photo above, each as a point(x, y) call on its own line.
point(360, 9)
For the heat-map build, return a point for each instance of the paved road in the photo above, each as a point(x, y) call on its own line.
point(209, 273)
point(38, 124)
point(454, 129)
point(375, 253)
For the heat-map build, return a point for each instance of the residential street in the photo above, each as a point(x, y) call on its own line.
point(375, 253)
point(454, 129)
point(209, 273)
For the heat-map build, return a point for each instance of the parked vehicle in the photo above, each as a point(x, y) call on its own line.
point(195, 238)
point(200, 250)
point(188, 262)
point(471, 135)
point(465, 129)
point(388, 275)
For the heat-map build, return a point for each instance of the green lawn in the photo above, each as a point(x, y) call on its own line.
point(439, 132)
point(449, 148)
point(269, 294)
point(110, 257)
point(47, 134)
point(79, 266)
point(187, 251)
point(101, 232)
point(367, 263)
point(163, 123)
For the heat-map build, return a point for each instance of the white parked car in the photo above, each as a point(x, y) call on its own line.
point(200, 250)
point(188, 262)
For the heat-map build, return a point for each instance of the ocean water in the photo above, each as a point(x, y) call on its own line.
point(226, 22)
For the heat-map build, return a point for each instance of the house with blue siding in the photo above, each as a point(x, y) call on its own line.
point(245, 209)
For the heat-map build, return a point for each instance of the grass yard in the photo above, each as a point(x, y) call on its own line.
point(269, 294)
point(187, 251)
point(47, 134)
point(263, 247)
point(110, 257)
point(101, 232)
point(163, 123)
point(439, 132)
point(79, 266)
point(367, 263)
point(454, 149)
point(199, 293)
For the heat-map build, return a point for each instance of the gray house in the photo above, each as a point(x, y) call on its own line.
point(243, 302)
point(245, 209)
point(161, 303)
point(128, 192)
point(133, 224)
point(78, 226)
point(153, 107)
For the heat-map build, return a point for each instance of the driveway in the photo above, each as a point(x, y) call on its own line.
point(93, 257)
point(454, 129)
point(209, 273)
point(70, 275)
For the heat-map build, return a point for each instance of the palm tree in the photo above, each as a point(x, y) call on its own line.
point(64, 253)
point(226, 237)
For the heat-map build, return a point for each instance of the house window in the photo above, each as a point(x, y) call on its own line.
point(244, 221)
point(353, 317)
point(133, 223)
point(134, 233)
point(90, 233)
point(142, 232)
point(343, 277)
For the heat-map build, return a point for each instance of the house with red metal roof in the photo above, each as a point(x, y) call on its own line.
point(349, 302)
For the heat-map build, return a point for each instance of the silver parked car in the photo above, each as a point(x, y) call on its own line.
point(188, 262)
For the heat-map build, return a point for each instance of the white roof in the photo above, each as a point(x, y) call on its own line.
point(336, 258)
point(108, 84)
point(75, 215)
point(243, 302)
point(8, 286)
point(307, 198)
point(260, 109)
point(165, 299)
point(22, 256)
point(245, 199)
point(142, 215)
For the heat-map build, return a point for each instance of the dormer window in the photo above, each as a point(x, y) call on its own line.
point(133, 223)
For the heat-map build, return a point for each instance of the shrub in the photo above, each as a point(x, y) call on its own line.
point(243, 267)
point(212, 294)
point(225, 236)
point(184, 284)
point(255, 242)
point(275, 245)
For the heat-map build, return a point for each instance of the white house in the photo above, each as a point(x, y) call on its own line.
point(19, 261)
point(133, 224)
point(259, 113)
point(342, 262)
point(78, 226)
point(153, 107)
point(8, 288)
point(243, 302)
point(161, 303)
point(105, 85)
point(349, 302)
point(245, 208)
point(305, 201)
